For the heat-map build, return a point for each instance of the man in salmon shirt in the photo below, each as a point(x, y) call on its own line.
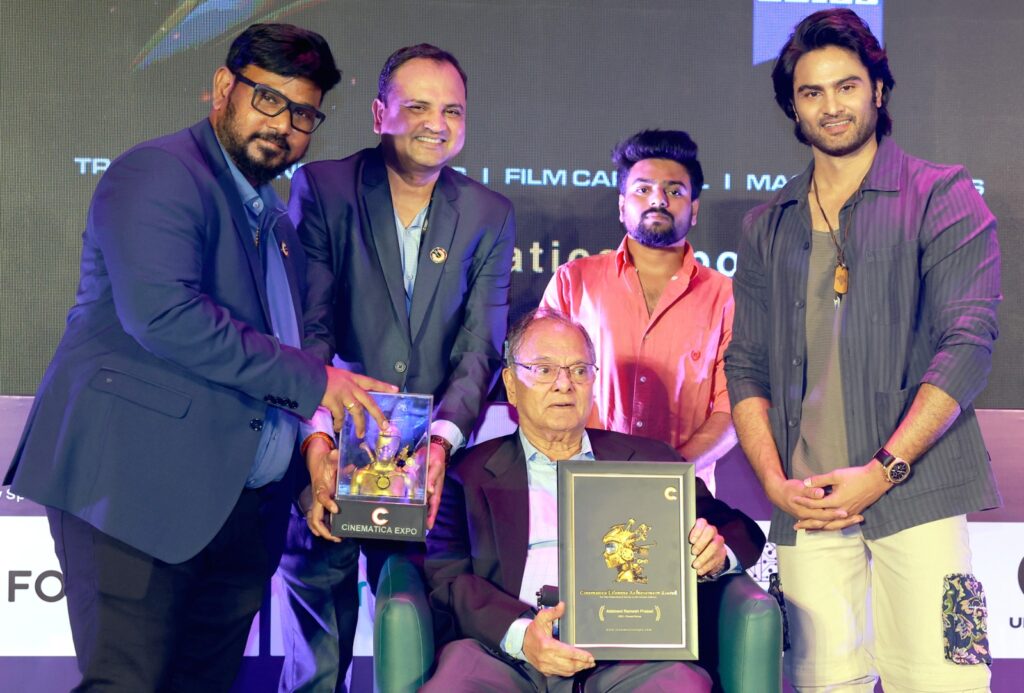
point(659, 319)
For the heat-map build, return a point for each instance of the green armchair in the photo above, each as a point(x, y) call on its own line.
point(749, 633)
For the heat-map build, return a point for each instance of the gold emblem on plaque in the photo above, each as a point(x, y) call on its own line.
point(624, 550)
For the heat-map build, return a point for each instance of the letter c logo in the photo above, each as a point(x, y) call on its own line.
point(671, 493)
point(379, 516)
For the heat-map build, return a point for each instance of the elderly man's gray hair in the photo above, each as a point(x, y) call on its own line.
point(517, 332)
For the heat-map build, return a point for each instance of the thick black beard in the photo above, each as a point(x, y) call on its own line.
point(656, 239)
point(256, 172)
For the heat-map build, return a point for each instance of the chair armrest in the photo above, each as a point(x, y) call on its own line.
point(749, 638)
point(403, 638)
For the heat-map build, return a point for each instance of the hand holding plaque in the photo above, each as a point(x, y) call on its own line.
point(709, 548)
point(546, 653)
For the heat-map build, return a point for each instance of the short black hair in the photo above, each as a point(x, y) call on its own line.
point(517, 333)
point(404, 55)
point(285, 50)
point(835, 27)
point(674, 145)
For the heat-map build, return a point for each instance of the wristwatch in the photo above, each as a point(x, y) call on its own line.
point(895, 469)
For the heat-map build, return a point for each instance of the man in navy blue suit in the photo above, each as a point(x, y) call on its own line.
point(164, 429)
point(409, 272)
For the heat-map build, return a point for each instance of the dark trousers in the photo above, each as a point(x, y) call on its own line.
point(466, 666)
point(140, 624)
point(319, 581)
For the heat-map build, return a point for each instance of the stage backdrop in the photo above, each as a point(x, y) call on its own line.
point(553, 85)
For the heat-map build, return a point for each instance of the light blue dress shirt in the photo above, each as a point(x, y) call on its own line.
point(542, 553)
point(409, 239)
point(263, 208)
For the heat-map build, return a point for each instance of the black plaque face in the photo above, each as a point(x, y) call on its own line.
point(624, 567)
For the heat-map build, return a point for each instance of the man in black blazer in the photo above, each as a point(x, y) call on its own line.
point(167, 419)
point(495, 540)
point(409, 273)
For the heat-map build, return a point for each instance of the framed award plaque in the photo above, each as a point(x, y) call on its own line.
point(624, 560)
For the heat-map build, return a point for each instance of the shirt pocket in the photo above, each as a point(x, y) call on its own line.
point(888, 283)
point(696, 355)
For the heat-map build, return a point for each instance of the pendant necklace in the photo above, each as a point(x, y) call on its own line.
point(841, 277)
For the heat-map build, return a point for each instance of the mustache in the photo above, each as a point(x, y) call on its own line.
point(658, 210)
point(274, 138)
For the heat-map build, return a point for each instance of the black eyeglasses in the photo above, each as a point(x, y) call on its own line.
point(271, 102)
point(546, 373)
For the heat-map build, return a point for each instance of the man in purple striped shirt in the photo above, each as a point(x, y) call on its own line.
point(866, 297)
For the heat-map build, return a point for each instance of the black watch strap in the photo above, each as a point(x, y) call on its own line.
point(895, 469)
point(884, 456)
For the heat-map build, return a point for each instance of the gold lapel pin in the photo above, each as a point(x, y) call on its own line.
point(284, 248)
point(438, 255)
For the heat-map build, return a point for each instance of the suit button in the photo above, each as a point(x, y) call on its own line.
point(793, 423)
point(797, 360)
point(256, 424)
point(401, 366)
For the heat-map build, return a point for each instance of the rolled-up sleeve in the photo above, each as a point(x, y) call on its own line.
point(961, 269)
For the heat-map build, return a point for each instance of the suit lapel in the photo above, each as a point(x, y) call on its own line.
point(380, 212)
point(610, 449)
point(203, 133)
point(508, 496)
point(444, 216)
point(288, 242)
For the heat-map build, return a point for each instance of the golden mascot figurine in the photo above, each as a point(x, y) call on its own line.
point(388, 473)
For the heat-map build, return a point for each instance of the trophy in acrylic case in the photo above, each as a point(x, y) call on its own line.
point(382, 476)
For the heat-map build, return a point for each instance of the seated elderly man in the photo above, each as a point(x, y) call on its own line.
point(495, 540)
